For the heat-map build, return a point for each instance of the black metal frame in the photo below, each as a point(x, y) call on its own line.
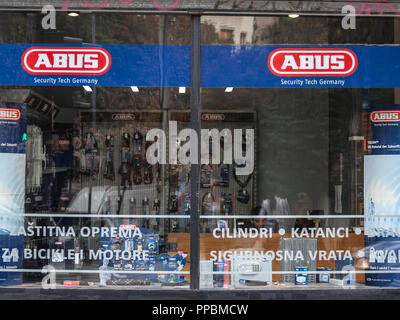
point(195, 124)
point(29, 293)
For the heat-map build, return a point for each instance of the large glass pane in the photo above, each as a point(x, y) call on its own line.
point(98, 211)
point(302, 214)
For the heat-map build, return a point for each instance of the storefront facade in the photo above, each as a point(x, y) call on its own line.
point(202, 149)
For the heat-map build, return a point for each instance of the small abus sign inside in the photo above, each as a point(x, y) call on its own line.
point(312, 62)
point(9, 114)
point(66, 61)
point(385, 116)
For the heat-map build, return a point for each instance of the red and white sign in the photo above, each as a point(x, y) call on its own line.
point(312, 62)
point(385, 116)
point(66, 61)
point(127, 226)
point(71, 283)
point(10, 114)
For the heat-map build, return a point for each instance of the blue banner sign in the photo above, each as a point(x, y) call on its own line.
point(107, 65)
point(301, 67)
point(222, 66)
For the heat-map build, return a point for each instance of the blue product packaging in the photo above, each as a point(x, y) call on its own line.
point(10, 258)
point(220, 280)
point(205, 176)
point(301, 278)
point(151, 244)
point(381, 254)
point(323, 277)
point(148, 241)
point(139, 265)
point(152, 263)
point(172, 263)
point(319, 269)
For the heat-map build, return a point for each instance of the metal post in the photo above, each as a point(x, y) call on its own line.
point(195, 124)
point(94, 93)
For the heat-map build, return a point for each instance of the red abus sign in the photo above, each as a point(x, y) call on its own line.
point(66, 61)
point(9, 114)
point(312, 62)
point(385, 116)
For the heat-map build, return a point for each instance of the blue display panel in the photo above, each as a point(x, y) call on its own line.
point(12, 189)
point(381, 194)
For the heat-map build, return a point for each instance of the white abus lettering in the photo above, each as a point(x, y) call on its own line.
point(314, 62)
point(68, 60)
point(385, 116)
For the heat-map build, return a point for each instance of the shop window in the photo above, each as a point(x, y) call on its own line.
point(92, 198)
point(226, 35)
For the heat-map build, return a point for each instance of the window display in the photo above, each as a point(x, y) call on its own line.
point(287, 163)
point(304, 225)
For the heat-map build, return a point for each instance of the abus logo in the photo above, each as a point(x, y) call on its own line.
point(123, 116)
point(64, 61)
point(127, 226)
point(312, 62)
point(385, 116)
point(213, 116)
point(9, 114)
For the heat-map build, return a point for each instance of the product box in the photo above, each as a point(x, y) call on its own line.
point(151, 244)
point(220, 280)
point(301, 278)
point(11, 258)
point(323, 277)
point(152, 263)
point(148, 241)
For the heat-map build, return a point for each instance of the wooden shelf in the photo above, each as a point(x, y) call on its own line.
point(208, 243)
